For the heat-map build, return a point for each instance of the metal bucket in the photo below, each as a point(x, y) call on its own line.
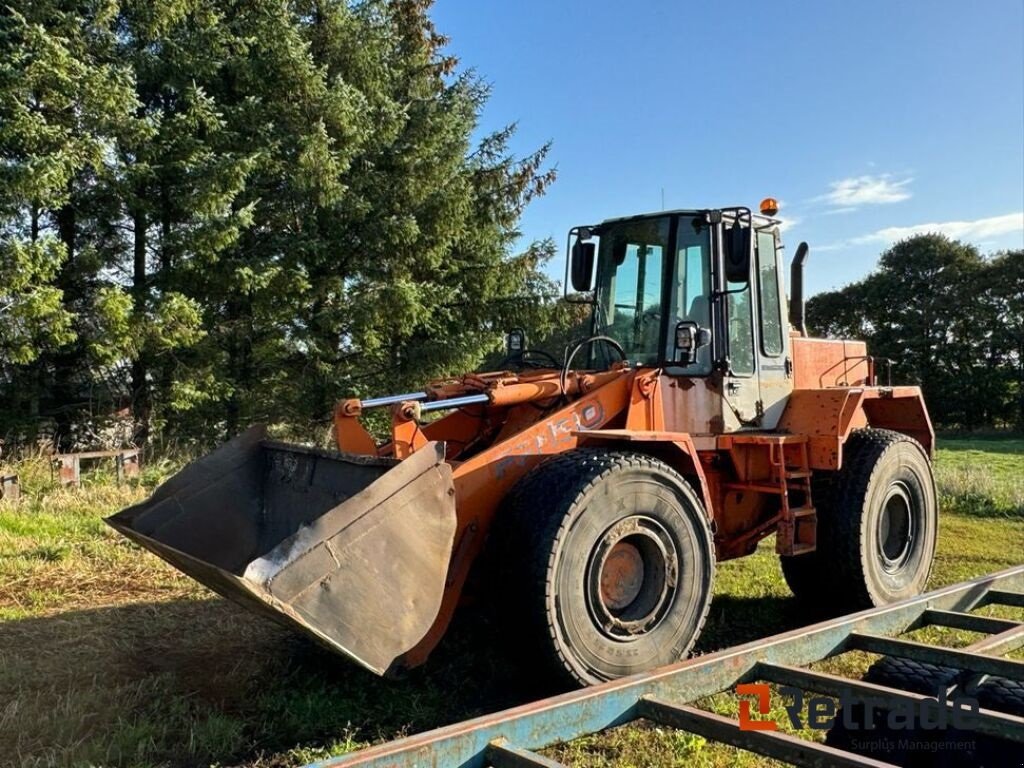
point(352, 550)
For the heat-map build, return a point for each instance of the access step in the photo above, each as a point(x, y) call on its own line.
point(796, 474)
point(801, 549)
point(798, 512)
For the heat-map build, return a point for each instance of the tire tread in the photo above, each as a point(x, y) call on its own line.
point(532, 517)
point(833, 573)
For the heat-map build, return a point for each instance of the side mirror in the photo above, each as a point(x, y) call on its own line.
point(515, 345)
point(689, 338)
point(582, 265)
point(737, 254)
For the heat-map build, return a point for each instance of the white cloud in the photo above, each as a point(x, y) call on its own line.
point(866, 190)
point(993, 226)
point(787, 222)
point(976, 230)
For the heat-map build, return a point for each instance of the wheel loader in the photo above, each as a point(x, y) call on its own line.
point(598, 485)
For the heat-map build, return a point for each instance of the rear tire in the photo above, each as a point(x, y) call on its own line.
point(607, 566)
point(877, 526)
point(997, 693)
point(854, 730)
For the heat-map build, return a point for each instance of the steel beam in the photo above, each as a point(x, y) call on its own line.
point(562, 718)
point(780, 746)
point(1006, 641)
point(502, 755)
point(970, 622)
point(1004, 597)
point(943, 657)
point(984, 721)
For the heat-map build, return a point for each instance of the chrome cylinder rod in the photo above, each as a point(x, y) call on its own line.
point(454, 402)
point(377, 402)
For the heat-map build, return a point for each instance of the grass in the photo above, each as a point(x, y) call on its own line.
point(109, 657)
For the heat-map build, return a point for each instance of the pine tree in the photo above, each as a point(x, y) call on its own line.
point(245, 211)
point(58, 103)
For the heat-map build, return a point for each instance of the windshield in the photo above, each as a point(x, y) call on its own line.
point(636, 264)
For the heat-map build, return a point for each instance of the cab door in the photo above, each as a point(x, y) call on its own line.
point(738, 360)
point(741, 390)
point(775, 379)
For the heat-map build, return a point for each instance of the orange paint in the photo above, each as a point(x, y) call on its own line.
point(742, 477)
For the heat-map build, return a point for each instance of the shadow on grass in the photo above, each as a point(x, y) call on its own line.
point(735, 620)
point(193, 682)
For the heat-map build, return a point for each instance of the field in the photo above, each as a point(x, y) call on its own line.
point(108, 657)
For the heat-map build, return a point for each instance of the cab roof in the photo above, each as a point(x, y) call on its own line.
point(760, 217)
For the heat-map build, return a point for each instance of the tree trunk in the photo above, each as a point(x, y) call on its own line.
point(64, 394)
point(165, 378)
point(142, 405)
point(1020, 385)
point(240, 325)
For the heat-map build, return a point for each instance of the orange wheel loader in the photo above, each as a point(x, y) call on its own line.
point(606, 480)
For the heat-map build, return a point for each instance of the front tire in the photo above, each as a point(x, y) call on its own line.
point(877, 526)
point(608, 564)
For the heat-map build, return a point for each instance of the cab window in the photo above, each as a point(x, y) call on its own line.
point(691, 289)
point(771, 305)
point(631, 263)
point(741, 336)
point(740, 319)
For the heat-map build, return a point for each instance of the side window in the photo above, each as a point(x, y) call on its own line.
point(689, 292)
point(770, 304)
point(741, 334)
point(740, 318)
point(695, 280)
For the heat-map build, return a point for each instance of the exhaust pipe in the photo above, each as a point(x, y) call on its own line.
point(796, 287)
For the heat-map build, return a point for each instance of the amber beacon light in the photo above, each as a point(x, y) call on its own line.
point(769, 206)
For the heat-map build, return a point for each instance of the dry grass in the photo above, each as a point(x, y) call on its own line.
point(109, 657)
point(974, 479)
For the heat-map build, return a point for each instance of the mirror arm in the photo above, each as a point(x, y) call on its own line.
point(714, 218)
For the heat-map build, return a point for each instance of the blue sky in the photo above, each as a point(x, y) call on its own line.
point(867, 119)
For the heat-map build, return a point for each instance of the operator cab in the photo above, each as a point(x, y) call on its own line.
point(695, 292)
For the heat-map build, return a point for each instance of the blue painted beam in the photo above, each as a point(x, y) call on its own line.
point(563, 718)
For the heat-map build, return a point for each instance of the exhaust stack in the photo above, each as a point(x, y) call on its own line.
point(796, 287)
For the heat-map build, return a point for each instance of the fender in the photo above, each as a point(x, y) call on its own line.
point(828, 416)
point(675, 448)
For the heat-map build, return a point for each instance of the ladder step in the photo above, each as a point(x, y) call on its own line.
point(801, 549)
point(794, 474)
point(756, 487)
point(802, 511)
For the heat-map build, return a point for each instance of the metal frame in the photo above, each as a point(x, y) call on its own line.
point(509, 738)
point(9, 487)
point(69, 465)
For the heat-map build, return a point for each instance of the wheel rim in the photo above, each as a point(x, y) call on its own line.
point(897, 528)
point(631, 577)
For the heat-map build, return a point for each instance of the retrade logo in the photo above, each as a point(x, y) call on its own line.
point(764, 705)
point(820, 712)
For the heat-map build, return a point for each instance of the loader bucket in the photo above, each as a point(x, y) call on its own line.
point(352, 550)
